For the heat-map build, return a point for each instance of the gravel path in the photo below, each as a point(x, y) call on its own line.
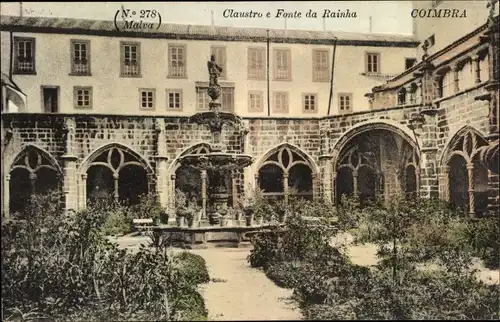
point(240, 292)
point(237, 292)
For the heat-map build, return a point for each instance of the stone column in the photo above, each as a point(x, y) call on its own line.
point(477, 68)
point(326, 177)
point(355, 183)
point(438, 91)
point(409, 94)
point(493, 186)
point(172, 193)
point(256, 180)
point(204, 193)
point(234, 190)
point(285, 185)
point(334, 187)
point(418, 92)
point(116, 184)
point(6, 195)
point(315, 186)
point(33, 182)
point(162, 180)
point(83, 195)
point(161, 163)
point(456, 80)
point(377, 184)
point(417, 179)
point(70, 185)
point(445, 183)
point(472, 197)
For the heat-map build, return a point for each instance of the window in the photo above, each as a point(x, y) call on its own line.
point(227, 99)
point(447, 85)
point(484, 68)
point(281, 102)
point(409, 62)
point(24, 59)
point(83, 97)
point(256, 63)
point(177, 61)
point(220, 59)
point(466, 76)
point(372, 63)
point(131, 59)
point(310, 102)
point(345, 102)
point(147, 97)
point(255, 101)
point(320, 65)
point(282, 68)
point(174, 99)
point(202, 99)
point(402, 96)
point(80, 57)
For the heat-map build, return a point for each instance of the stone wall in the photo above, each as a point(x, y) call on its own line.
point(319, 139)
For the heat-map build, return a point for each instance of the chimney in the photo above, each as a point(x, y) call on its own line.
point(212, 12)
point(324, 24)
point(370, 24)
point(20, 9)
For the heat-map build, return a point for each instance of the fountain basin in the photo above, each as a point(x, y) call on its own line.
point(212, 117)
point(218, 161)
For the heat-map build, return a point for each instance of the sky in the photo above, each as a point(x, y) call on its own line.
point(391, 17)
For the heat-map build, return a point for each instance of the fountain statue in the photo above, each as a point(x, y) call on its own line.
point(219, 165)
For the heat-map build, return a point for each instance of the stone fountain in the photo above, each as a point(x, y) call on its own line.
point(216, 163)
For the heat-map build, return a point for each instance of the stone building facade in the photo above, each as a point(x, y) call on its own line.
point(431, 130)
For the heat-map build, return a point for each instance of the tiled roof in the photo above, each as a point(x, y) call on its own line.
point(178, 31)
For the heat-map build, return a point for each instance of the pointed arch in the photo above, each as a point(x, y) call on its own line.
point(464, 173)
point(286, 170)
point(139, 160)
point(44, 159)
point(381, 155)
point(197, 148)
point(307, 159)
point(466, 142)
point(115, 171)
point(33, 171)
point(378, 124)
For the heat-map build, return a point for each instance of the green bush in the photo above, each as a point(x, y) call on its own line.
point(60, 266)
point(483, 234)
point(194, 267)
point(284, 274)
point(408, 232)
point(149, 207)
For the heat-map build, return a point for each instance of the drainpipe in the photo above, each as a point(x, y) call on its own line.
point(331, 76)
point(268, 94)
point(11, 57)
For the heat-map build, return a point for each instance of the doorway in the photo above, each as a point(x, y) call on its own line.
point(50, 99)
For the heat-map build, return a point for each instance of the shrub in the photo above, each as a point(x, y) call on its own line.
point(483, 236)
point(149, 207)
point(193, 267)
point(284, 274)
point(408, 233)
point(60, 266)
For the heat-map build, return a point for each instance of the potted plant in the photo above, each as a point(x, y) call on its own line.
point(191, 211)
point(248, 211)
point(181, 210)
